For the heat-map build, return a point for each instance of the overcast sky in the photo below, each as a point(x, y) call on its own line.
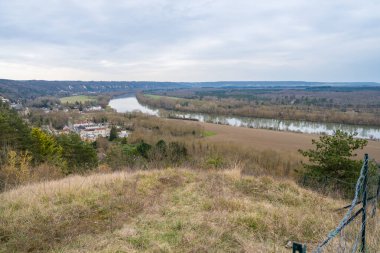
point(190, 40)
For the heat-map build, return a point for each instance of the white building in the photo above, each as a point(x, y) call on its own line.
point(123, 134)
point(91, 133)
point(94, 108)
point(4, 100)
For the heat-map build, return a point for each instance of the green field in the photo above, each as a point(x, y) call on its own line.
point(158, 96)
point(79, 99)
point(208, 133)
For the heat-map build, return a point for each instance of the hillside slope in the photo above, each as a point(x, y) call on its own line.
point(15, 89)
point(173, 210)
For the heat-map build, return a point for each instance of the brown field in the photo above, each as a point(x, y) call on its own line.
point(276, 140)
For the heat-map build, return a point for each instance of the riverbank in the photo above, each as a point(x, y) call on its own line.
point(129, 104)
point(230, 107)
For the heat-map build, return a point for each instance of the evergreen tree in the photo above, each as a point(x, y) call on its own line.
point(46, 148)
point(333, 156)
point(143, 149)
point(113, 133)
point(80, 155)
point(14, 132)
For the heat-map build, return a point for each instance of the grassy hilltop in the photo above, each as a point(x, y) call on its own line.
point(172, 210)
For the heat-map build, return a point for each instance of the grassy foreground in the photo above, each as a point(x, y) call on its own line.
point(172, 210)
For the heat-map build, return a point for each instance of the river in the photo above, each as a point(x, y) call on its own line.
point(130, 104)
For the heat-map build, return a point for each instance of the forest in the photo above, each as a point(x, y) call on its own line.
point(346, 105)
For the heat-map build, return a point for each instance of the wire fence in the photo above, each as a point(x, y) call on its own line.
point(358, 230)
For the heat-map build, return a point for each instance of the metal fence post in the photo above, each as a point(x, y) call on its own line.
point(378, 184)
point(364, 209)
point(299, 248)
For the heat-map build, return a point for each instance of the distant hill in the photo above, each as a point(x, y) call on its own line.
point(34, 88)
point(281, 84)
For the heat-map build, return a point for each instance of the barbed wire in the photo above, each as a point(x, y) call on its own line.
point(342, 245)
point(356, 243)
point(373, 201)
point(343, 222)
point(329, 177)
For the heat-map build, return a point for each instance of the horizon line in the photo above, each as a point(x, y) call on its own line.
point(219, 81)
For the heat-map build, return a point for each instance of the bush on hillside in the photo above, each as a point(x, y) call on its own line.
point(80, 155)
point(16, 170)
point(332, 158)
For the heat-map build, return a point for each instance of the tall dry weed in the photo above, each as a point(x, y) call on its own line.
point(17, 169)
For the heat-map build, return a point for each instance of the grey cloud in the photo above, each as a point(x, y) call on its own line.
point(198, 40)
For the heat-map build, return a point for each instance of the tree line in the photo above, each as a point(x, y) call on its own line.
point(22, 146)
point(233, 107)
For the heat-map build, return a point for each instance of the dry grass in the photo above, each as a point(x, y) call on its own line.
point(172, 210)
point(262, 139)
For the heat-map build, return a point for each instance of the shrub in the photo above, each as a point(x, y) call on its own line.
point(80, 156)
point(332, 157)
point(215, 162)
point(17, 169)
point(143, 148)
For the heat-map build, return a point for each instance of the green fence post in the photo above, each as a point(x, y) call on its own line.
point(364, 216)
point(299, 248)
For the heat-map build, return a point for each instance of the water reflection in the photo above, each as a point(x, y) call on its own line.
point(130, 104)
